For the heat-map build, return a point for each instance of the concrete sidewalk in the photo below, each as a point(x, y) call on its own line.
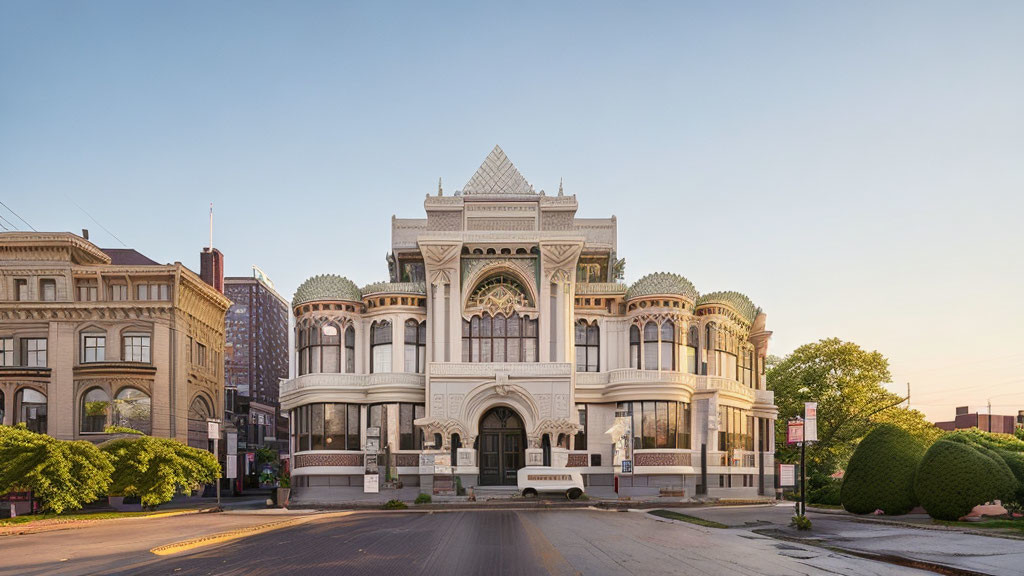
point(949, 547)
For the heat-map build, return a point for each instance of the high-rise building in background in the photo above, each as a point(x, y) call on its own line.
point(255, 362)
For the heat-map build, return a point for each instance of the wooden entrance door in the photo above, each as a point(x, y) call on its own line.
point(502, 447)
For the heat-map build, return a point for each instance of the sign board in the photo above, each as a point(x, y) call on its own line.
point(373, 431)
point(465, 456)
point(371, 483)
point(373, 445)
point(371, 463)
point(232, 468)
point(442, 464)
point(212, 429)
point(250, 456)
point(444, 485)
point(810, 421)
point(787, 474)
point(426, 463)
point(795, 431)
point(627, 466)
point(232, 445)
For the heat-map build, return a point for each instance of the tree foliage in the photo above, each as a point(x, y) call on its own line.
point(155, 469)
point(62, 475)
point(847, 382)
point(956, 475)
point(880, 475)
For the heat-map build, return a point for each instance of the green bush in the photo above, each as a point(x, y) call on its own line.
point(1007, 447)
point(956, 475)
point(423, 499)
point(395, 504)
point(154, 469)
point(62, 475)
point(828, 494)
point(881, 473)
point(801, 522)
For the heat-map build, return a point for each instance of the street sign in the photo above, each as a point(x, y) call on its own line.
point(627, 466)
point(810, 421)
point(212, 429)
point(787, 474)
point(795, 431)
point(371, 483)
point(232, 468)
point(232, 438)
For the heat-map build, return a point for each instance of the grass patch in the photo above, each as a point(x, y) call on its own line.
point(825, 506)
point(32, 518)
point(1015, 525)
point(683, 517)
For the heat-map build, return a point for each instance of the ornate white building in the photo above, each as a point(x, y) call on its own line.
point(505, 339)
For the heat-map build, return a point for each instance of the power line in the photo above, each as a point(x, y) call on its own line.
point(9, 223)
point(16, 214)
point(96, 221)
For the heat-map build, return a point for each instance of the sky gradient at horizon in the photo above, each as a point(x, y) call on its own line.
point(856, 169)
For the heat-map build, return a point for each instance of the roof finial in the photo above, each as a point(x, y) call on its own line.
point(211, 226)
point(440, 190)
point(560, 193)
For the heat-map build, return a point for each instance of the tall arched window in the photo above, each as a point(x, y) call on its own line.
point(650, 346)
point(133, 409)
point(30, 409)
point(95, 411)
point(691, 349)
point(587, 347)
point(350, 350)
point(415, 346)
point(710, 335)
point(498, 338)
point(310, 339)
point(634, 346)
point(380, 347)
point(301, 344)
point(330, 348)
point(668, 345)
point(199, 411)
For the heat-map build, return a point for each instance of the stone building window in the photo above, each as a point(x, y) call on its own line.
point(499, 338)
point(350, 350)
point(117, 292)
point(634, 347)
point(6, 351)
point(137, 349)
point(21, 290)
point(746, 367)
point(95, 411)
point(668, 345)
point(48, 290)
point(30, 409)
point(588, 347)
point(691, 339)
point(94, 347)
point(328, 426)
point(580, 443)
point(87, 290)
point(408, 437)
point(735, 429)
point(651, 346)
point(659, 424)
point(33, 352)
point(415, 346)
point(133, 409)
point(380, 347)
point(153, 291)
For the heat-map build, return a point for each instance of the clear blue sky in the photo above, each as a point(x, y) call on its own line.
point(856, 168)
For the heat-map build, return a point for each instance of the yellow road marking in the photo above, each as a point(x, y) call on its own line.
point(220, 537)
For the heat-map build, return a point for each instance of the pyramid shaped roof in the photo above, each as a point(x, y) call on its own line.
point(497, 175)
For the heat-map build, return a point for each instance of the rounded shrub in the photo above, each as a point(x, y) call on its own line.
point(881, 472)
point(955, 476)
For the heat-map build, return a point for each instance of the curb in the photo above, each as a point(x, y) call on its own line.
point(26, 529)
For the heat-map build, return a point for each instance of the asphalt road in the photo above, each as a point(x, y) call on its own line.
point(508, 543)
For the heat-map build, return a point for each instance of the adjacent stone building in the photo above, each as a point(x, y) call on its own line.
point(92, 337)
point(504, 337)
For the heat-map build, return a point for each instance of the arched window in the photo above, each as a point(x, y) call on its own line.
point(691, 349)
point(30, 409)
point(95, 411)
point(710, 334)
point(746, 367)
point(199, 411)
point(668, 345)
point(380, 347)
point(330, 348)
point(650, 346)
point(456, 444)
point(415, 346)
point(499, 338)
point(133, 409)
point(301, 345)
point(587, 347)
point(634, 346)
point(350, 350)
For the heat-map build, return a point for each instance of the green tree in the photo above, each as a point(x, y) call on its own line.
point(62, 475)
point(155, 469)
point(847, 382)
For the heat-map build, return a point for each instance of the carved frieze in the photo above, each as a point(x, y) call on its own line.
point(437, 406)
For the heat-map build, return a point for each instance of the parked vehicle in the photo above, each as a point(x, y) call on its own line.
point(534, 480)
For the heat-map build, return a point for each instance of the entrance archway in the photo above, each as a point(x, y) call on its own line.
point(502, 446)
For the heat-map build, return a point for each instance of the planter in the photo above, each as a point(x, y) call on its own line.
point(282, 496)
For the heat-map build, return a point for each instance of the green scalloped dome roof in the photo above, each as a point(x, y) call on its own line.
point(418, 288)
point(738, 302)
point(662, 283)
point(327, 287)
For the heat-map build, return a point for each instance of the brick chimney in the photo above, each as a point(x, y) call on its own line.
point(211, 268)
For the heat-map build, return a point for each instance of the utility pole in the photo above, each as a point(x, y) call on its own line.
point(908, 395)
point(990, 415)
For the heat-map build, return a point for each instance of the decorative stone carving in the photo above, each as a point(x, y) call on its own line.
point(455, 403)
point(304, 460)
point(544, 405)
point(497, 175)
point(437, 406)
point(662, 459)
point(444, 220)
point(577, 461)
point(561, 406)
point(556, 426)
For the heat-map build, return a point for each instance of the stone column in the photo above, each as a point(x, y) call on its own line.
point(437, 313)
point(9, 417)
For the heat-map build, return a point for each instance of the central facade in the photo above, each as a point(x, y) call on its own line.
point(505, 337)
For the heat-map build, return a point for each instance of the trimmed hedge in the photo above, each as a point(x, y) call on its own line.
point(1008, 447)
point(881, 472)
point(956, 475)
